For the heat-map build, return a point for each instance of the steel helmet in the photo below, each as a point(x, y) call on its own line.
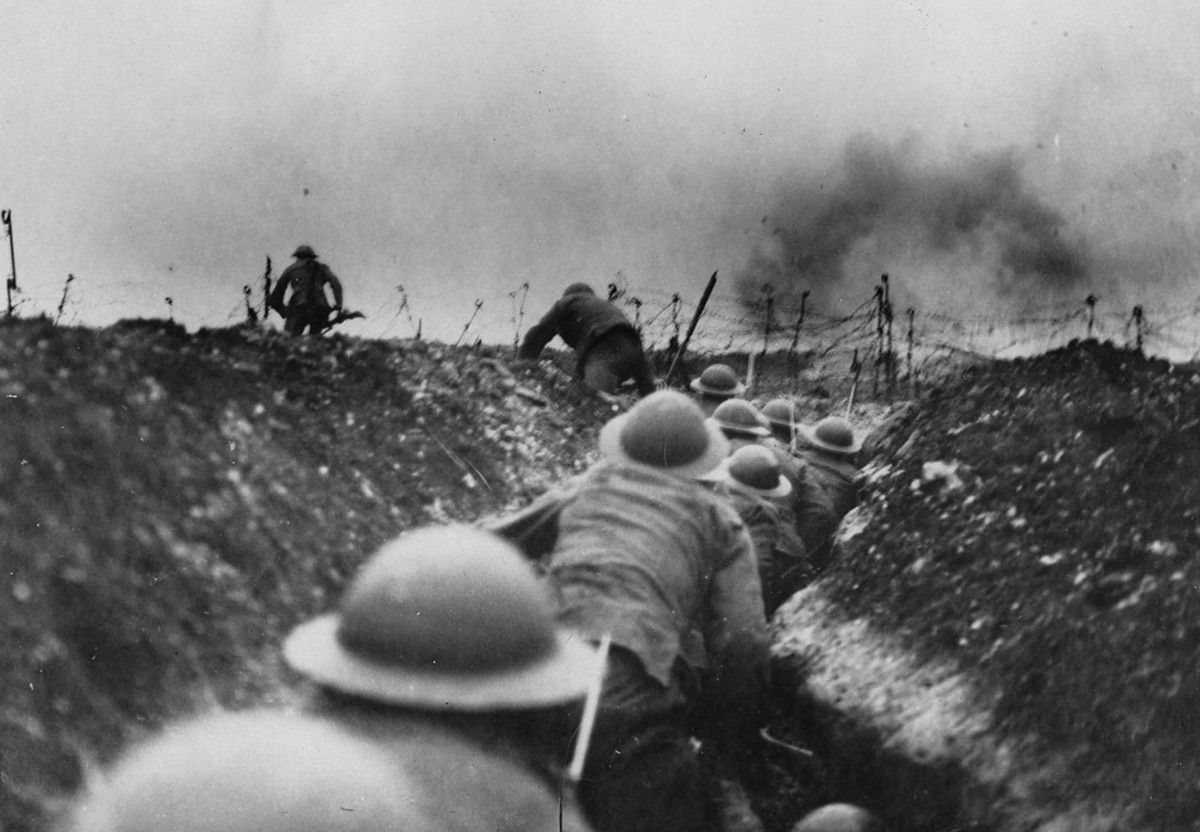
point(719, 381)
point(665, 430)
point(754, 469)
point(780, 412)
point(578, 289)
point(304, 253)
point(450, 618)
point(256, 771)
point(839, 817)
point(833, 434)
point(739, 417)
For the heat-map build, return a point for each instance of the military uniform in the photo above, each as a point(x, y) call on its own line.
point(667, 568)
point(308, 307)
point(608, 349)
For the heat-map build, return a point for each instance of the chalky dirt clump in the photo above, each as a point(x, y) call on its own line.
point(1031, 542)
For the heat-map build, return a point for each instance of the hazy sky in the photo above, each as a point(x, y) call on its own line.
point(157, 148)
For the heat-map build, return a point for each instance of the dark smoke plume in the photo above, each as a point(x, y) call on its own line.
point(965, 229)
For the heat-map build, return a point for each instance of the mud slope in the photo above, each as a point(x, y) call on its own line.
point(173, 503)
point(1028, 626)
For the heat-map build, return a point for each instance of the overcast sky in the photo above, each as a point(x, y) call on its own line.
point(156, 148)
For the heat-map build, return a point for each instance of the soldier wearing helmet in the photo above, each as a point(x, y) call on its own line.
point(761, 495)
point(741, 423)
point(640, 550)
point(829, 449)
point(812, 509)
point(718, 383)
point(608, 349)
point(445, 651)
point(308, 307)
point(262, 771)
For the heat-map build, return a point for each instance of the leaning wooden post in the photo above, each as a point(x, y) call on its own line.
point(855, 369)
point(267, 290)
point(878, 312)
point(911, 314)
point(1137, 322)
point(890, 365)
point(793, 358)
point(1090, 300)
point(6, 218)
point(767, 322)
point(712, 281)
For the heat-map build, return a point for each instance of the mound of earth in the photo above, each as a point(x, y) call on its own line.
point(1029, 548)
point(173, 504)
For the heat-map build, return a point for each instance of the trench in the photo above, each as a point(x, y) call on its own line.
point(905, 739)
point(854, 720)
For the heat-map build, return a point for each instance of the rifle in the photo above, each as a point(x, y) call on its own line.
point(341, 317)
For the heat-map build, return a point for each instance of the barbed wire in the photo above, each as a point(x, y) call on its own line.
point(731, 322)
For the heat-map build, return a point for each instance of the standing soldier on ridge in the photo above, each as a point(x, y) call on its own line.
point(308, 307)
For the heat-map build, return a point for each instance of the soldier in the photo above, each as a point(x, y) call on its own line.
point(642, 551)
point(445, 652)
point(716, 384)
point(308, 307)
point(741, 423)
point(608, 349)
point(812, 510)
point(829, 449)
point(781, 418)
point(261, 771)
point(758, 491)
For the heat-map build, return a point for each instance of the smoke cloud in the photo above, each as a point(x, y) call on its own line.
point(942, 227)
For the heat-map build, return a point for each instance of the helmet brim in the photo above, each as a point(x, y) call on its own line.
point(718, 448)
point(809, 435)
point(699, 387)
point(722, 474)
point(314, 651)
point(742, 430)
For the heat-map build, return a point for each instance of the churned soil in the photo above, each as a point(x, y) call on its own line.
point(173, 503)
point(1036, 525)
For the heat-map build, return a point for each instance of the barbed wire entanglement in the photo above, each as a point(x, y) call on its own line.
point(880, 350)
point(889, 352)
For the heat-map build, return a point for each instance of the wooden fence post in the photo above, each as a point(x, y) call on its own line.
point(11, 283)
point(712, 281)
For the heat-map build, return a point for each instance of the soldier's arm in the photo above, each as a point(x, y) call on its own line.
point(534, 529)
point(336, 285)
point(540, 334)
point(277, 293)
point(735, 598)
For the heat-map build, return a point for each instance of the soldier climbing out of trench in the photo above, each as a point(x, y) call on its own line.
point(640, 549)
point(308, 306)
point(608, 349)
